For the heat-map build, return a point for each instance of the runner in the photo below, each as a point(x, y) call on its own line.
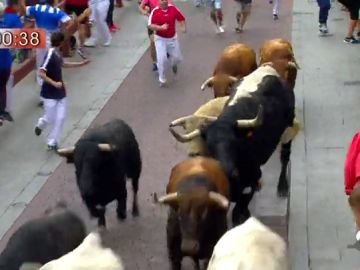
point(216, 15)
point(243, 14)
point(162, 20)
point(53, 91)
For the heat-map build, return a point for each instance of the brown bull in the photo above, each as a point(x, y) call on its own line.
point(197, 194)
point(280, 49)
point(236, 61)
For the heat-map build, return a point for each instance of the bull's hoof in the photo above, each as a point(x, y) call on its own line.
point(283, 193)
point(283, 189)
point(121, 215)
point(135, 211)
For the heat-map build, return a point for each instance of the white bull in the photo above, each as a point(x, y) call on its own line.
point(250, 246)
point(89, 255)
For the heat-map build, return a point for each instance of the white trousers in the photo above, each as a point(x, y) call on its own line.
point(40, 57)
point(163, 47)
point(276, 7)
point(98, 16)
point(54, 115)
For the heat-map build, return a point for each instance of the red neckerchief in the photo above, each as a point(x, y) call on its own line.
point(9, 10)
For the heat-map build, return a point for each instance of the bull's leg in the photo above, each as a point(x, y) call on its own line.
point(121, 206)
point(241, 210)
point(135, 207)
point(196, 263)
point(283, 184)
point(174, 240)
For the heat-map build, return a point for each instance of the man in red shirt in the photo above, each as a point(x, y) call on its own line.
point(352, 180)
point(162, 20)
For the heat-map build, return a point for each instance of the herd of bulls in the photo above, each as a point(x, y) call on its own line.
point(229, 139)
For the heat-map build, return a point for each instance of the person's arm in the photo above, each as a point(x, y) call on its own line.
point(182, 26)
point(61, 4)
point(42, 74)
point(156, 27)
point(75, 64)
point(144, 9)
point(22, 8)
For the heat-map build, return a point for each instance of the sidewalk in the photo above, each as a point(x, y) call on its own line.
point(327, 96)
point(84, 103)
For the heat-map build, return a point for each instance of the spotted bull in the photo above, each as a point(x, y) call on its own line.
point(248, 131)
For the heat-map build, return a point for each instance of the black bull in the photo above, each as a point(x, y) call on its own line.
point(104, 157)
point(242, 150)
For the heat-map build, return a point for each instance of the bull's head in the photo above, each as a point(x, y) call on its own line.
point(221, 83)
point(194, 211)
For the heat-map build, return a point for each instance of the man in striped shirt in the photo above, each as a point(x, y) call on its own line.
point(50, 18)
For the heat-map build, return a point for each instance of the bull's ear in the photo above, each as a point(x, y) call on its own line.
point(30, 266)
point(67, 153)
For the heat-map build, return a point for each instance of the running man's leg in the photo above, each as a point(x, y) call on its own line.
point(276, 9)
point(48, 117)
point(173, 48)
point(101, 24)
point(59, 119)
point(160, 46)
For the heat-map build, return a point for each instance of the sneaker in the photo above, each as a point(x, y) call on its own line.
point(174, 69)
point(52, 147)
point(221, 29)
point(351, 40)
point(112, 29)
point(271, 1)
point(238, 29)
point(7, 116)
point(323, 30)
point(40, 104)
point(107, 43)
point(275, 17)
point(155, 68)
point(117, 27)
point(358, 34)
point(37, 131)
point(162, 84)
point(80, 52)
point(90, 43)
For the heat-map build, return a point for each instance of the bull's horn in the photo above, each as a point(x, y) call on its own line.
point(233, 79)
point(105, 147)
point(184, 137)
point(207, 118)
point(181, 120)
point(65, 151)
point(252, 122)
point(206, 83)
point(219, 199)
point(168, 198)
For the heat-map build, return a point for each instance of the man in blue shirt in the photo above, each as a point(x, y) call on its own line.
point(53, 91)
point(50, 18)
point(11, 20)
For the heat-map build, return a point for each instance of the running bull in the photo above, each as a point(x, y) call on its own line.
point(197, 194)
point(248, 131)
point(103, 158)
